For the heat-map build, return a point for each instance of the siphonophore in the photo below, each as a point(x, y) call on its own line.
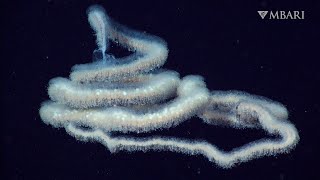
point(133, 94)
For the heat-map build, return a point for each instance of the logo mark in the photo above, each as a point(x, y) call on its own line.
point(281, 14)
point(262, 14)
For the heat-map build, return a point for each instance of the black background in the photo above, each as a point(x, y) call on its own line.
point(224, 41)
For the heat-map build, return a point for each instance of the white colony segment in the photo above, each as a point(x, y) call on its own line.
point(224, 159)
point(223, 109)
point(233, 97)
point(150, 88)
point(121, 119)
point(124, 98)
point(154, 54)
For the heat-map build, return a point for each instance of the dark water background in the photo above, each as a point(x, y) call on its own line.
point(224, 41)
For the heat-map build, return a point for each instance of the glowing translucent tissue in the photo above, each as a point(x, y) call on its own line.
point(129, 95)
